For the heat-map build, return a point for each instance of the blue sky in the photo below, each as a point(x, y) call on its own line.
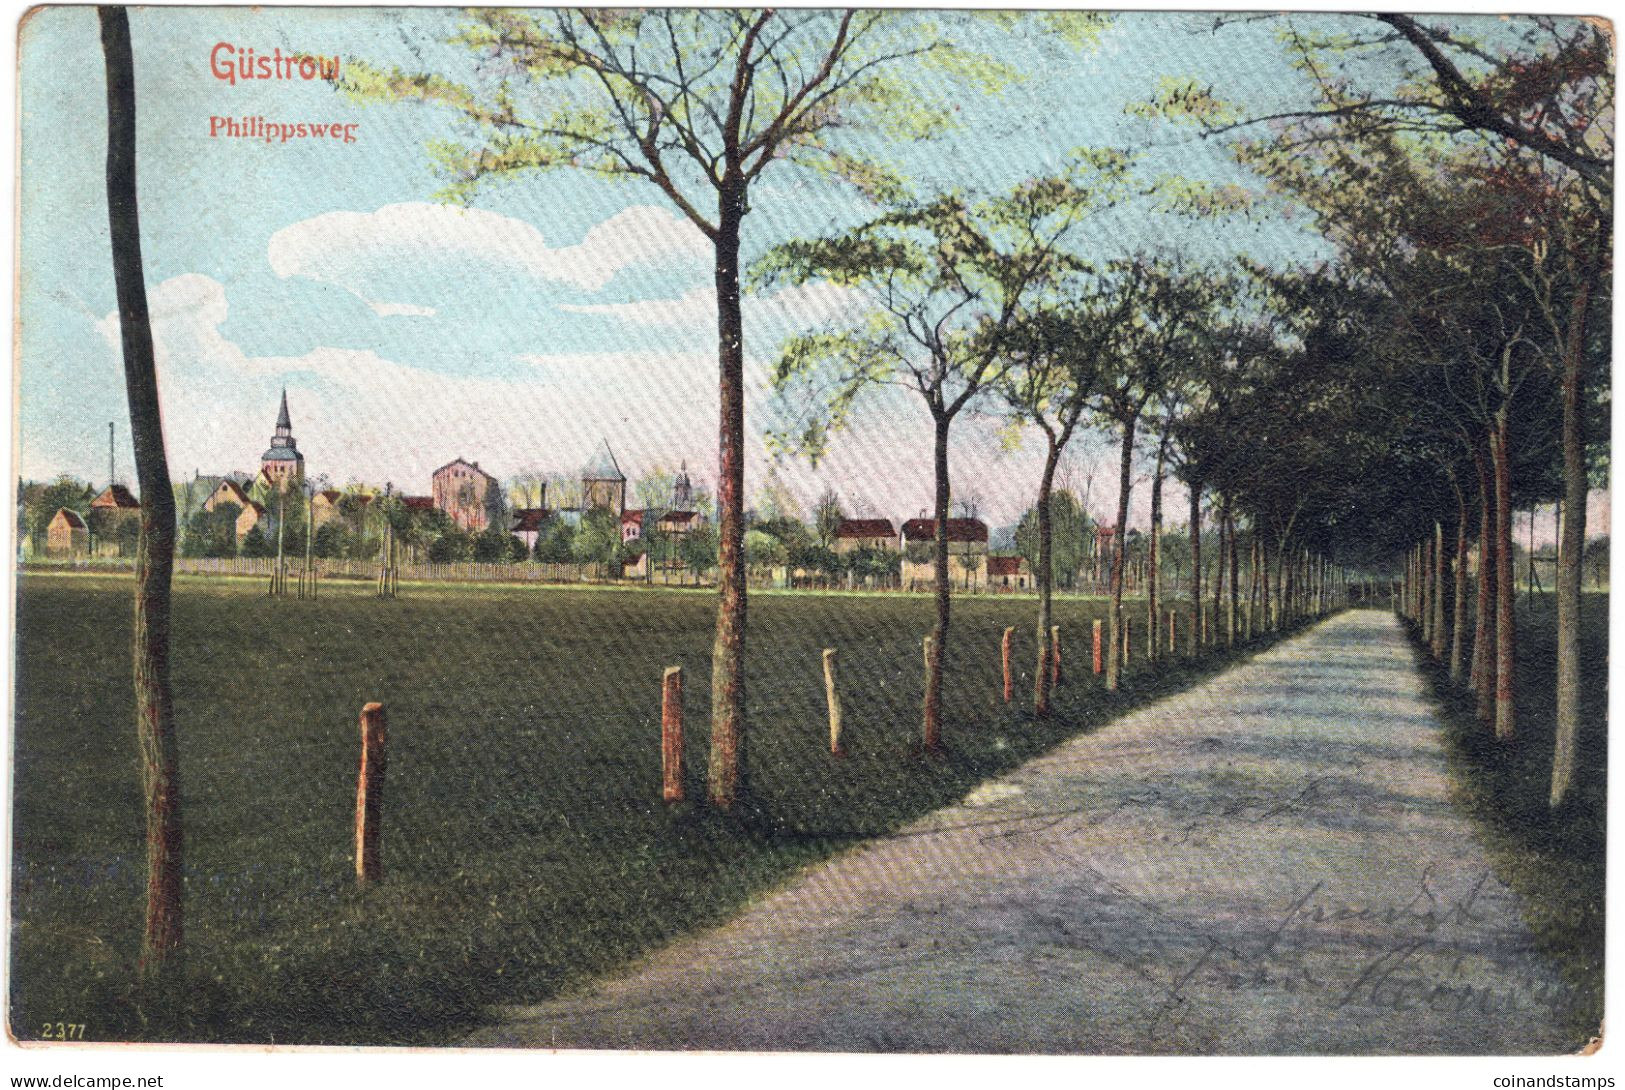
point(557, 309)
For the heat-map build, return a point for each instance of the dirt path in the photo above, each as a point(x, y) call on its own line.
point(1267, 863)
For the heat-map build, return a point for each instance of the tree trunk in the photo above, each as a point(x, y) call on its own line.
point(1482, 677)
point(155, 550)
point(1425, 573)
point(932, 727)
point(1441, 575)
point(1045, 578)
point(1506, 717)
point(1458, 624)
point(1235, 571)
point(1153, 579)
point(1571, 548)
point(725, 773)
point(1114, 660)
point(1195, 489)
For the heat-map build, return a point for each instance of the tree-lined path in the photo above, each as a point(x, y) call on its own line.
point(1266, 863)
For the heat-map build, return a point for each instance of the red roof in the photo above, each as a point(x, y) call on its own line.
point(1003, 565)
point(116, 495)
point(419, 503)
point(331, 495)
point(679, 516)
point(865, 528)
point(632, 516)
point(531, 519)
point(958, 530)
point(70, 517)
point(475, 466)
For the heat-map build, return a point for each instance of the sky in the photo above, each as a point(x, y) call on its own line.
point(552, 311)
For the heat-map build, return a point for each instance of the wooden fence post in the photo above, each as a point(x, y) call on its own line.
point(833, 696)
point(1173, 621)
point(369, 795)
point(1055, 655)
point(1098, 663)
point(1126, 658)
point(671, 734)
point(1004, 651)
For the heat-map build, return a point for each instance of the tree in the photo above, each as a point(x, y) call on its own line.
point(556, 543)
point(491, 545)
point(827, 518)
point(1071, 531)
point(946, 280)
point(452, 544)
point(654, 490)
point(698, 549)
point(41, 502)
point(155, 556)
point(1059, 354)
point(331, 539)
point(698, 104)
point(1545, 86)
point(596, 539)
point(254, 543)
point(1168, 305)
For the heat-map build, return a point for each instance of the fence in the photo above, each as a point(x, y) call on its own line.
point(338, 568)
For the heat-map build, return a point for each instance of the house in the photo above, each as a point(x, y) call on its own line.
point(854, 534)
point(530, 523)
point(227, 491)
point(282, 464)
point(251, 516)
point(67, 534)
point(967, 552)
point(115, 497)
point(324, 506)
point(467, 493)
point(116, 510)
point(1008, 573)
point(602, 482)
point(418, 503)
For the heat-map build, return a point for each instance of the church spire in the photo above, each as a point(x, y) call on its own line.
point(282, 423)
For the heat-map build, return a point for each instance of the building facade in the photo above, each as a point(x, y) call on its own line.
point(602, 482)
point(967, 553)
point(468, 494)
point(67, 534)
point(854, 534)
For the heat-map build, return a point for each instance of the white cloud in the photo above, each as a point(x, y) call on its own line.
point(358, 415)
point(801, 307)
point(391, 310)
point(355, 249)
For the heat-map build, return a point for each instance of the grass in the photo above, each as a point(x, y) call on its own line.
point(524, 844)
point(1553, 859)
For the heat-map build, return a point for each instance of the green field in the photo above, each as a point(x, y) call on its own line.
point(525, 845)
point(1556, 861)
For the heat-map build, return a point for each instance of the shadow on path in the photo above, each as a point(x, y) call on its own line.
point(1266, 863)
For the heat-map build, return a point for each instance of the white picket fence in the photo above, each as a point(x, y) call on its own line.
point(457, 572)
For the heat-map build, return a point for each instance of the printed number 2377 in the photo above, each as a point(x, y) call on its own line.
point(63, 1031)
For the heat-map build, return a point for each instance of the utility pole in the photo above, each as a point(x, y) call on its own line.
point(110, 477)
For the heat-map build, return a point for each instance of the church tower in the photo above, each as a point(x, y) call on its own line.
point(682, 491)
point(282, 463)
